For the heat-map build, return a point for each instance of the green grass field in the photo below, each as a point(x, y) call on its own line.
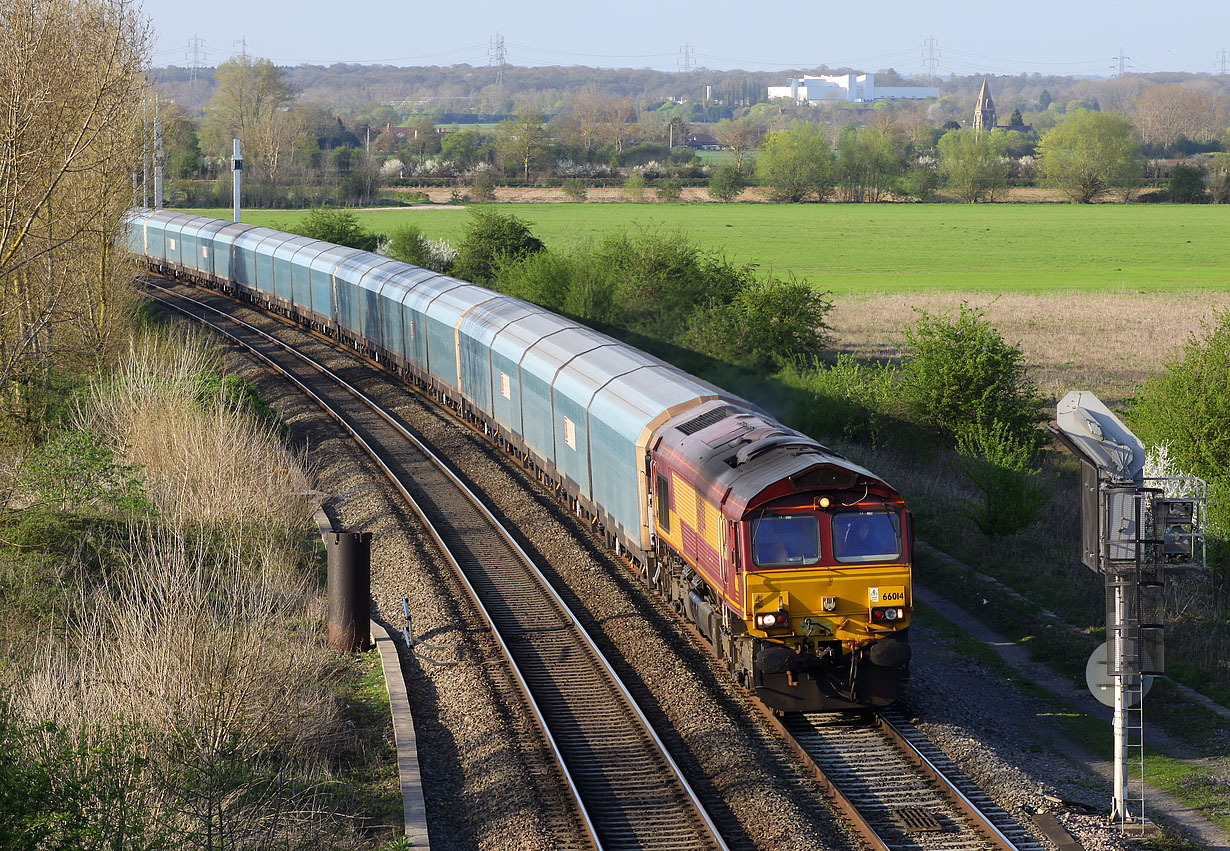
point(882, 248)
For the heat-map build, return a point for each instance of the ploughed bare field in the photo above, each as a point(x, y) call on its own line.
point(1104, 342)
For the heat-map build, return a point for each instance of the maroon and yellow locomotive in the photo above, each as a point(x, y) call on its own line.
point(792, 561)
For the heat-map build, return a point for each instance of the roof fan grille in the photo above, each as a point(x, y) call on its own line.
point(706, 419)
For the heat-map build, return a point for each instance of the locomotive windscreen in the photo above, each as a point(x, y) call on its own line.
point(866, 536)
point(792, 539)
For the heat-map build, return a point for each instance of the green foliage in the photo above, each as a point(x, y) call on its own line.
point(1187, 185)
point(634, 185)
point(663, 287)
point(959, 370)
point(869, 163)
point(1089, 154)
point(769, 322)
point(461, 149)
point(482, 185)
point(726, 184)
point(492, 238)
point(73, 469)
point(341, 227)
point(669, 190)
point(971, 164)
point(408, 245)
point(231, 390)
point(1187, 407)
point(995, 458)
point(55, 794)
point(796, 164)
point(849, 399)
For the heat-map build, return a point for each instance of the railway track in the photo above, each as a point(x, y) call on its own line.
point(895, 787)
point(627, 790)
point(900, 791)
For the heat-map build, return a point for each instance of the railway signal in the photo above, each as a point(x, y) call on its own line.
point(1136, 531)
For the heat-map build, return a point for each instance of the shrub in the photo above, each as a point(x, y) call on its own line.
point(341, 227)
point(634, 186)
point(408, 245)
point(669, 190)
point(726, 184)
point(483, 187)
point(769, 323)
point(1187, 406)
point(959, 370)
point(1187, 185)
point(575, 189)
point(491, 238)
point(994, 458)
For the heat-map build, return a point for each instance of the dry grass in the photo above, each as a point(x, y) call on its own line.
point(1107, 343)
point(197, 644)
point(206, 461)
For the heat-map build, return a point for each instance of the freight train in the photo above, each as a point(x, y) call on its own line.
point(791, 561)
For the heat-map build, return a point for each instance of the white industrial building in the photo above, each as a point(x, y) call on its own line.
point(855, 88)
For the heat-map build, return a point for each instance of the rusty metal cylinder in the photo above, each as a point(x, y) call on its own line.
point(350, 567)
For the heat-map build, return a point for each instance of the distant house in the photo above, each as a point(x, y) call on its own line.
point(703, 142)
point(854, 88)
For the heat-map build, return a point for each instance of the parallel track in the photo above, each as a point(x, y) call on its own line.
point(629, 792)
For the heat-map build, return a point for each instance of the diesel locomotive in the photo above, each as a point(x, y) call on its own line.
point(791, 561)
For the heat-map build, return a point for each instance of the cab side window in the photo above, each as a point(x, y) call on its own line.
point(662, 501)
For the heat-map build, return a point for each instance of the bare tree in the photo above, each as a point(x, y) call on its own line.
point(72, 82)
point(738, 137)
point(1166, 113)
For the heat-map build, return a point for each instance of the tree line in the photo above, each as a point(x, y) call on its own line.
point(303, 152)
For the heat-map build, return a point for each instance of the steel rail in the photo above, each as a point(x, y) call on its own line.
point(710, 829)
point(972, 811)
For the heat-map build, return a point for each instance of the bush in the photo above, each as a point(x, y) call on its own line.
point(341, 227)
point(492, 239)
point(994, 458)
point(483, 187)
point(959, 370)
point(768, 324)
point(634, 186)
point(726, 184)
point(408, 245)
point(669, 190)
point(1187, 406)
point(575, 189)
point(1187, 185)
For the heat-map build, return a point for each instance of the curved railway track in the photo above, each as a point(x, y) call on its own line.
point(628, 791)
point(896, 788)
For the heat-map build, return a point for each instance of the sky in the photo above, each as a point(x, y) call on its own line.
point(1064, 37)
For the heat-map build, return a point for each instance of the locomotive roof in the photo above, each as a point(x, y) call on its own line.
point(740, 459)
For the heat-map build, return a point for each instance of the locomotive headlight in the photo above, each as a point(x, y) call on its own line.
point(824, 502)
point(890, 614)
point(829, 603)
point(771, 620)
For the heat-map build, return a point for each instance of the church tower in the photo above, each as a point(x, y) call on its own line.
point(984, 110)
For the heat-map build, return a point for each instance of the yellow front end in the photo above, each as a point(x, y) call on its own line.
point(830, 603)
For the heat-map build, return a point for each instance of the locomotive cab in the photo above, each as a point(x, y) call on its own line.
point(826, 603)
point(791, 560)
